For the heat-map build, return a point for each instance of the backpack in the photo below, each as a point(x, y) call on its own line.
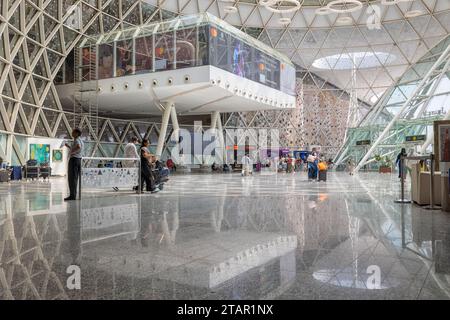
point(322, 166)
point(32, 163)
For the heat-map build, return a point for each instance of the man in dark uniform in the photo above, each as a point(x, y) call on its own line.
point(75, 155)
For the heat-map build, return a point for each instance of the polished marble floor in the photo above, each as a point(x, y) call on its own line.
point(223, 236)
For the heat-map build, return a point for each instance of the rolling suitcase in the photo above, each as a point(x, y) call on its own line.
point(323, 175)
point(16, 173)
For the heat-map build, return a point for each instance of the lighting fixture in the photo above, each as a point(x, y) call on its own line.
point(392, 2)
point(230, 9)
point(284, 21)
point(344, 20)
point(322, 11)
point(344, 6)
point(295, 6)
point(413, 13)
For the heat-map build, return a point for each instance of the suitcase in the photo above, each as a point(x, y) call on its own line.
point(16, 173)
point(4, 175)
point(323, 175)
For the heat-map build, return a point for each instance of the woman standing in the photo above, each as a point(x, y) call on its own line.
point(146, 170)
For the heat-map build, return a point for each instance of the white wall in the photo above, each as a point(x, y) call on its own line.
point(58, 168)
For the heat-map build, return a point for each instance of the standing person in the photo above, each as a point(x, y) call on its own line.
point(401, 168)
point(312, 165)
point(131, 152)
point(74, 169)
point(146, 170)
point(290, 167)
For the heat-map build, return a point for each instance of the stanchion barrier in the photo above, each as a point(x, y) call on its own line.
point(402, 182)
point(112, 176)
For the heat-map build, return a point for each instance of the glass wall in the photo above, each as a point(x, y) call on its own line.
point(105, 61)
point(124, 58)
point(144, 54)
point(88, 63)
point(186, 47)
point(164, 51)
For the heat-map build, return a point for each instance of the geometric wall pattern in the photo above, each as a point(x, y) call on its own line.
point(319, 118)
point(36, 36)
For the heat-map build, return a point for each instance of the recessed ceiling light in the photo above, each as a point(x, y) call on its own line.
point(322, 11)
point(344, 20)
point(413, 13)
point(287, 7)
point(374, 98)
point(344, 6)
point(230, 9)
point(392, 2)
point(284, 21)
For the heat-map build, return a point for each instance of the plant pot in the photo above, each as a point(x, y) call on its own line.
point(385, 170)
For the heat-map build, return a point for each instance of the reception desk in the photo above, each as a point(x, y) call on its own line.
point(420, 186)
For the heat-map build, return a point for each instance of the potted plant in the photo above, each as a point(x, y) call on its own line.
point(385, 164)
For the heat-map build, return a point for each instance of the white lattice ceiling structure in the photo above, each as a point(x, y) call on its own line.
point(306, 35)
point(36, 36)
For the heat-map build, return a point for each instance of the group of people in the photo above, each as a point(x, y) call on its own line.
point(317, 166)
point(289, 164)
point(313, 163)
point(153, 172)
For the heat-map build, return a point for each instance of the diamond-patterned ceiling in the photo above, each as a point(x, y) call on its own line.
point(310, 36)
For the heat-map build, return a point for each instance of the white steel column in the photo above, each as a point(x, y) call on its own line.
point(420, 87)
point(163, 130)
point(175, 125)
point(214, 118)
point(221, 139)
point(433, 90)
point(9, 149)
point(213, 128)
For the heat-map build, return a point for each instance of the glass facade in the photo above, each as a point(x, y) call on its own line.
point(184, 43)
point(431, 103)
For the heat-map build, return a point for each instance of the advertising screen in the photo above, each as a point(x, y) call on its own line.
point(287, 79)
point(267, 70)
point(220, 48)
point(239, 58)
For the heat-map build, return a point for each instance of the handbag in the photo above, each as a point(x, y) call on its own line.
point(311, 158)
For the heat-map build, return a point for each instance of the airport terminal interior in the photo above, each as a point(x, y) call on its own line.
point(225, 149)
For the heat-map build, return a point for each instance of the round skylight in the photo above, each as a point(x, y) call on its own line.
point(361, 60)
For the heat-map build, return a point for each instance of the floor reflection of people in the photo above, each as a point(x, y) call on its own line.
point(74, 231)
point(217, 214)
point(160, 225)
